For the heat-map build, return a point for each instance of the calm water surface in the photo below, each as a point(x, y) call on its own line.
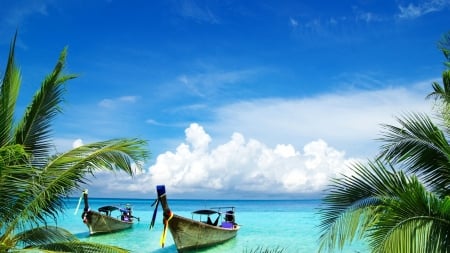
point(288, 224)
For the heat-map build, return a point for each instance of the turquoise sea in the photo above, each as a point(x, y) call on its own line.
point(284, 224)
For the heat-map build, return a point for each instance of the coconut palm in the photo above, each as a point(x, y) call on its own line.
point(399, 202)
point(34, 182)
point(391, 208)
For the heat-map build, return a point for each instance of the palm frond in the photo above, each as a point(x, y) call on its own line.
point(82, 247)
point(421, 147)
point(56, 239)
point(11, 155)
point(9, 91)
point(33, 131)
point(444, 45)
point(44, 196)
point(15, 175)
point(439, 92)
point(415, 221)
point(18, 192)
point(441, 96)
point(113, 155)
point(44, 235)
point(353, 203)
point(13, 179)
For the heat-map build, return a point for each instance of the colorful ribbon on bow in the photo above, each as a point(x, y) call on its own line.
point(167, 217)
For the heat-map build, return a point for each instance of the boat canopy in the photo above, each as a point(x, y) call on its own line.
point(205, 212)
point(215, 210)
point(107, 208)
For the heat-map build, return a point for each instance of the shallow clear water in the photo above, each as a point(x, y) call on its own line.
point(287, 224)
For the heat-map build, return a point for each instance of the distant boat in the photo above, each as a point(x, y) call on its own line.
point(104, 221)
point(190, 234)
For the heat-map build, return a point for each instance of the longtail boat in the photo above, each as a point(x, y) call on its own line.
point(104, 221)
point(213, 226)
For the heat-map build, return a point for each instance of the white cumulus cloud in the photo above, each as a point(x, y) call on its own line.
point(238, 167)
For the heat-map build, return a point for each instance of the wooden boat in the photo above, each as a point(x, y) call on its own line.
point(104, 221)
point(192, 234)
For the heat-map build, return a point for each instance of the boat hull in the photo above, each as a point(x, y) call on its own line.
point(189, 234)
point(100, 223)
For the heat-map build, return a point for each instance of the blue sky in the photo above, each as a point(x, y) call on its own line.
point(238, 99)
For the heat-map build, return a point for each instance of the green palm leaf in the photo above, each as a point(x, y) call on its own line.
point(44, 235)
point(421, 148)
point(44, 197)
point(353, 202)
point(441, 95)
point(9, 91)
point(415, 221)
point(81, 247)
point(444, 46)
point(55, 239)
point(33, 131)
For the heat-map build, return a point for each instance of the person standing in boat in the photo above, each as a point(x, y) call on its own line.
point(127, 215)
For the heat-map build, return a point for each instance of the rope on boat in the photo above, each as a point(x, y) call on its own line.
point(166, 224)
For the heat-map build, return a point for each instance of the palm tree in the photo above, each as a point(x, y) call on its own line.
point(33, 181)
point(400, 202)
point(441, 94)
point(394, 211)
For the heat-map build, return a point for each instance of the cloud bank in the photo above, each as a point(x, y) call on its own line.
point(238, 168)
